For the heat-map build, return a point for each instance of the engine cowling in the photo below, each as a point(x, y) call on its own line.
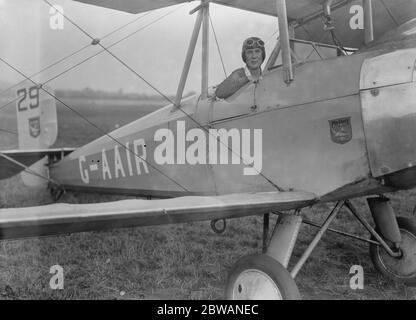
point(388, 99)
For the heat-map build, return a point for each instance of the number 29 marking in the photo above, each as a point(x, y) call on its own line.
point(33, 98)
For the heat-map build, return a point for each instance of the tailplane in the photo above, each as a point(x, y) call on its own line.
point(37, 127)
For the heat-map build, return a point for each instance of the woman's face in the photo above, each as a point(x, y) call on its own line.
point(254, 58)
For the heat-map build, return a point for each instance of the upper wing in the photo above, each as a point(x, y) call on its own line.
point(67, 218)
point(347, 15)
point(295, 7)
point(133, 6)
point(26, 157)
point(348, 19)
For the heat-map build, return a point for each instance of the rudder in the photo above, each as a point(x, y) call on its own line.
point(37, 126)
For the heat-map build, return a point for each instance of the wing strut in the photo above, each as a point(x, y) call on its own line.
point(205, 50)
point(274, 55)
point(368, 21)
point(202, 19)
point(284, 41)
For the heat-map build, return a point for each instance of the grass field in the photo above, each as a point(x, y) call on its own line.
point(186, 261)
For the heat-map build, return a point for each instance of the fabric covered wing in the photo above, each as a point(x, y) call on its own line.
point(295, 7)
point(68, 218)
point(347, 15)
point(26, 157)
point(133, 6)
point(348, 20)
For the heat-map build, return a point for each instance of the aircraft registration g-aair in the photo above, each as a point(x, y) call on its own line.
point(309, 131)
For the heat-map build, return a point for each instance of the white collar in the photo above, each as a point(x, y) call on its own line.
point(250, 76)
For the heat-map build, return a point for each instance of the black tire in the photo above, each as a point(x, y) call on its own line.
point(265, 270)
point(401, 269)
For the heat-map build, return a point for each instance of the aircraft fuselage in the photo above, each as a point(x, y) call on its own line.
point(341, 128)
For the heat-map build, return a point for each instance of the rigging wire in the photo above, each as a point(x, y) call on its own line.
point(324, 35)
point(94, 55)
point(340, 49)
point(390, 13)
point(218, 46)
point(110, 46)
point(70, 55)
point(8, 131)
point(28, 169)
point(272, 36)
point(94, 125)
point(94, 40)
point(44, 69)
point(127, 24)
point(88, 58)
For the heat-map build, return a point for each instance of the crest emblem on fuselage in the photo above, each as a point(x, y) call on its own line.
point(34, 127)
point(341, 130)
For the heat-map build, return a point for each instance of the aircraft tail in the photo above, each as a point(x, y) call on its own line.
point(37, 127)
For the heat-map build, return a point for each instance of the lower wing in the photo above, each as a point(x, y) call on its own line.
point(62, 218)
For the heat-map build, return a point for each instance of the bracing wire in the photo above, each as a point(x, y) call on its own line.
point(138, 75)
point(83, 61)
point(94, 125)
point(28, 169)
point(70, 55)
point(90, 57)
point(8, 131)
point(272, 36)
point(218, 46)
point(112, 54)
point(163, 95)
point(110, 46)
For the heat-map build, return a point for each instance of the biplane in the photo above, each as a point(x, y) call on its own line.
point(311, 131)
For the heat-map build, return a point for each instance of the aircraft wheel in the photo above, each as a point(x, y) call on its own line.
point(401, 269)
point(260, 277)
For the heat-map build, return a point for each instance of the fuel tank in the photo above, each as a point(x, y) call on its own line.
point(388, 102)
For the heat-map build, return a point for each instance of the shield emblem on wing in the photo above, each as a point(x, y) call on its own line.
point(341, 131)
point(34, 127)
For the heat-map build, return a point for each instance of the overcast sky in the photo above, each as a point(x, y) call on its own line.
point(157, 53)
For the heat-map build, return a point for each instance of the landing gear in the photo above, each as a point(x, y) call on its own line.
point(56, 192)
point(260, 277)
point(265, 276)
point(402, 268)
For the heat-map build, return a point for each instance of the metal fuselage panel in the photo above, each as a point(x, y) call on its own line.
point(299, 148)
point(389, 110)
point(320, 134)
point(129, 165)
point(279, 135)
